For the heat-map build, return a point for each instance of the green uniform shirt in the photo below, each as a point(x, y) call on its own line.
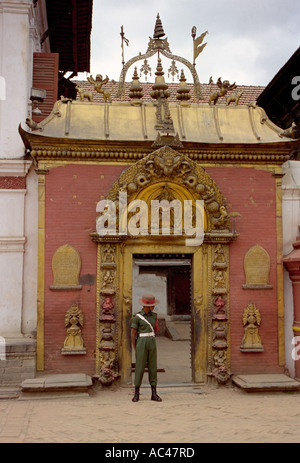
point(140, 325)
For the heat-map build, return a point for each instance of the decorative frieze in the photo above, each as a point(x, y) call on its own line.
point(219, 344)
point(12, 183)
point(107, 354)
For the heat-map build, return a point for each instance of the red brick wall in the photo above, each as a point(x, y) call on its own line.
point(72, 193)
point(251, 192)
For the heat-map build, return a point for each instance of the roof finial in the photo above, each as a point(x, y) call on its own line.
point(158, 30)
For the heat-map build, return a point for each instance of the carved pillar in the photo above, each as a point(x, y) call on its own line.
point(219, 358)
point(107, 329)
point(292, 264)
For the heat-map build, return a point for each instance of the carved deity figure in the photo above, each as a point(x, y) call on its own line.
point(220, 313)
point(219, 336)
point(107, 305)
point(108, 279)
point(109, 254)
point(74, 320)
point(98, 84)
point(224, 87)
point(251, 321)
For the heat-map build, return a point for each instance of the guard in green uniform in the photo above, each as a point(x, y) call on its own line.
point(143, 328)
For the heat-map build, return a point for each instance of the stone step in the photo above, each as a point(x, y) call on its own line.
point(266, 383)
point(178, 331)
point(56, 386)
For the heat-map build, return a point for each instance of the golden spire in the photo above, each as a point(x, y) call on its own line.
point(160, 87)
point(183, 93)
point(158, 30)
point(136, 90)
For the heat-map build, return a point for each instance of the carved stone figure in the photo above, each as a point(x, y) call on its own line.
point(74, 320)
point(219, 336)
point(222, 375)
point(108, 279)
point(251, 320)
point(83, 94)
point(107, 374)
point(220, 358)
point(167, 165)
point(219, 282)
point(107, 341)
point(108, 254)
point(290, 132)
point(98, 84)
point(234, 98)
point(107, 314)
point(219, 258)
point(224, 87)
point(220, 312)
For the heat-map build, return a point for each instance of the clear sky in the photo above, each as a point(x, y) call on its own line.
point(248, 41)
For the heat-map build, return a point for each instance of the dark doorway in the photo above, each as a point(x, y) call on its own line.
point(171, 274)
point(178, 287)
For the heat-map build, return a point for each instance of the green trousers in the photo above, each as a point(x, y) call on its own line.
point(145, 354)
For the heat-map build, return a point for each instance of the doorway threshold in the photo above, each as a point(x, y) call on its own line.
point(174, 385)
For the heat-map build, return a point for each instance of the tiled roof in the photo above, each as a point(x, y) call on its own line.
point(250, 93)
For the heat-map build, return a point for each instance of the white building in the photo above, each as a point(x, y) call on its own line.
point(25, 29)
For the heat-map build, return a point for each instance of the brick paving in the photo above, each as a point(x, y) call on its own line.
point(187, 413)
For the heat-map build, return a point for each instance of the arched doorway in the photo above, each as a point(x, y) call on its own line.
point(164, 175)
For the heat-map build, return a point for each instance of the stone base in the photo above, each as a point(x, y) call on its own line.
point(56, 386)
point(19, 361)
point(266, 383)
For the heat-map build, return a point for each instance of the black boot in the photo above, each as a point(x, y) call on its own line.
point(136, 396)
point(154, 396)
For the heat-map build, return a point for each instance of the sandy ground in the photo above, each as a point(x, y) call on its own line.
point(186, 414)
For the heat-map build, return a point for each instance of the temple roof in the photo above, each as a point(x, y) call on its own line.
point(193, 122)
point(108, 112)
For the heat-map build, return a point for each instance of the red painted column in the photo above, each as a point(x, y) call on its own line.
point(292, 264)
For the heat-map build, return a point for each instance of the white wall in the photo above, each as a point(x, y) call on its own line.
point(15, 63)
point(29, 314)
point(21, 26)
point(291, 221)
point(12, 245)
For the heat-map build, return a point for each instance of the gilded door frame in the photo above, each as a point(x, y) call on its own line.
point(165, 173)
point(210, 341)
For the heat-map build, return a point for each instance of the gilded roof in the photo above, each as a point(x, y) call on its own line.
point(143, 116)
point(193, 122)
